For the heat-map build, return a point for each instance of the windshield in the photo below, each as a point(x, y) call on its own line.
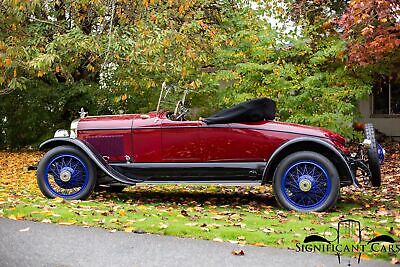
point(171, 97)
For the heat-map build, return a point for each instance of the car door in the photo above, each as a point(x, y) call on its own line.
point(146, 139)
point(215, 141)
point(233, 142)
point(180, 141)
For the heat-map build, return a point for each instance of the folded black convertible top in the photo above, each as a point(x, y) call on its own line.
point(250, 111)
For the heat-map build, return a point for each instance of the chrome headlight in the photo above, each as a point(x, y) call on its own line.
point(367, 143)
point(74, 128)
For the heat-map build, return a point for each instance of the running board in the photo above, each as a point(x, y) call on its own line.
point(222, 183)
point(199, 172)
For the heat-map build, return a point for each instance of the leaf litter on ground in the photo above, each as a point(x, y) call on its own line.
point(239, 214)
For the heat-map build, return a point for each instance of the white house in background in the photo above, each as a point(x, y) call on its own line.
point(382, 107)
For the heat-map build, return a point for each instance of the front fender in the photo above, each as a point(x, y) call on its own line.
point(89, 150)
point(312, 144)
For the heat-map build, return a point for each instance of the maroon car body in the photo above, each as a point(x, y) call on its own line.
point(135, 143)
point(159, 139)
point(120, 150)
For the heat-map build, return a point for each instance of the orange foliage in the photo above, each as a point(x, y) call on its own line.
point(372, 30)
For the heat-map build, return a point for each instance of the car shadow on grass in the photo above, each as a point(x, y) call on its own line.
point(213, 196)
point(232, 196)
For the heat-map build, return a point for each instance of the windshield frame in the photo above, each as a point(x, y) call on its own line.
point(167, 90)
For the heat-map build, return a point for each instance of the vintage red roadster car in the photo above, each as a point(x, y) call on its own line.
point(240, 145)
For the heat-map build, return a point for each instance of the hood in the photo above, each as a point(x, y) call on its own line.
point(111, 122)
point(107, 122)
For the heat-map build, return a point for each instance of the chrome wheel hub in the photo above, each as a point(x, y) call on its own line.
point(65, 175)
point(305, 184)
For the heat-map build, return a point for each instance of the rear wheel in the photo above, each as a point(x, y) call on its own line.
point(374, 157)
point(306, 181)
point(66, 172)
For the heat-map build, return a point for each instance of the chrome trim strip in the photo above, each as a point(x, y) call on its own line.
point(156, 165)
point(222, 183)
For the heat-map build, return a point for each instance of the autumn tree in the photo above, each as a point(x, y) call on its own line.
point(72, 41)
point(107, 56)
point(372, 31)
point(111, 56)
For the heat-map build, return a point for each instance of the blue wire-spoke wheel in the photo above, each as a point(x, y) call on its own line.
point(306, 181)
point(67, 173)
point(306, 184)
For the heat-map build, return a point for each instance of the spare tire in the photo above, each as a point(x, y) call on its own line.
point(373, 156)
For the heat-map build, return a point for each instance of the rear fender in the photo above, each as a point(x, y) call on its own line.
point(346, 173)
point(89, 150)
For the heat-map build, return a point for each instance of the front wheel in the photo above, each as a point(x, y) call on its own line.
point(66, 172)
point(306, 181)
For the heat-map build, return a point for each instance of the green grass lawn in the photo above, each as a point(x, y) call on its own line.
point(244, 215)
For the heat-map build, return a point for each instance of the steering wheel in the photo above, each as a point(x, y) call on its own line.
point(180, 111)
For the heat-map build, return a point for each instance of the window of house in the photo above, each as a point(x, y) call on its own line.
point(386, 97)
